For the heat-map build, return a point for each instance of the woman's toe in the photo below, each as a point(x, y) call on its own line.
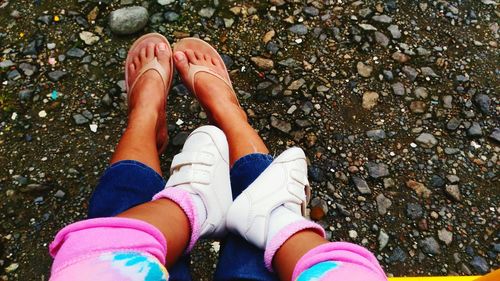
point(191, 56)
point(181, 63)
point(163, 54)
point(150, 51)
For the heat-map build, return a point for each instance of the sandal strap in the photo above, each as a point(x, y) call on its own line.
point(195, 69)
point(189, 158)
point(155, 66)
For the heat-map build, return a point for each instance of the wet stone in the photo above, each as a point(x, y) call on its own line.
point(298, 29)
point(383, 203)
point(382, 19)
point(400, 57)
point(370, 100)
point(364, 70)
point(398, 89)
point(451, 151)
point(57, 75)
point(281, 125)
point(13, 75)
point(80, 119)
point(75, 53)
point(483, 102)
point(475, 130)
point(420, 189)
point(367, 27)
point(426, 140)
point(428, 72)
point(82, 22)
point(453, 124)
point(28, 69)
point(297, 84)
point(87, 114)
point(180, 138)
point(206, 12)
point(361, 185)
point(495, 134)
point(59, 194)
point(316, 174)
point(263, 63)
point(34, 46)
point(376, 134)
point(128, 20)
point(452, 178)
point(437, 181)
point(165, 2)
point(319, 208)
point(388, 75)
point(312, 11)
point(377, 170)
point(453, 191)
point(421, 92)
point(45, 19)
point(106, 100)
point(445, 236)
point(88, 38)
point(430, 246)
point(418, 107)
point(423, 52)
point(410, 72)
point(398, 255)
point(480, 265)
point(383, 239)
point(414, 211)
point(394, 30)
point(25, 95)
point(365, 12)
point(381, 39)
point(6, 64)
point(447, 101)
point(171, 16)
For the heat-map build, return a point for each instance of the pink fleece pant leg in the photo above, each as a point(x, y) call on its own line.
point(348, 262)
point(89, 237)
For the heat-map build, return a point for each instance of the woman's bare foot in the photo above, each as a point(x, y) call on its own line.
point(148, 94)
point(216, 97)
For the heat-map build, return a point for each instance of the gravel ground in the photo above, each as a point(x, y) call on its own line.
point(395, 102)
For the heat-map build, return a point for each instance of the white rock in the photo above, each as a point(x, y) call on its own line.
point(89, 38)
point(165, 2)
point(383, 239)
point(93, 127)
point(42, 114)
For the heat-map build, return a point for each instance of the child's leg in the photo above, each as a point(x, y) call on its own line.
point(306, 255)
point(269, 215)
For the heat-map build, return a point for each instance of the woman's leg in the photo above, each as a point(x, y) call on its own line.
point(146, 130)
point(145, 133)
point(221, 105)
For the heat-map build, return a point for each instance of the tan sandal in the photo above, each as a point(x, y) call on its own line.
point(205, 48)
point(154, 65)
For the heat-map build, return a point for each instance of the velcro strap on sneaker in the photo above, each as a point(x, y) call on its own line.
point(187, 176)
point(189, 158)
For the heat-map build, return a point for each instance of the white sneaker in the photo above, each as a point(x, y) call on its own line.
point(282, 188)
point(202, 169)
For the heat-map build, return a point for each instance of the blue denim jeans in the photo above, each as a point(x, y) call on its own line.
point(128, 183)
